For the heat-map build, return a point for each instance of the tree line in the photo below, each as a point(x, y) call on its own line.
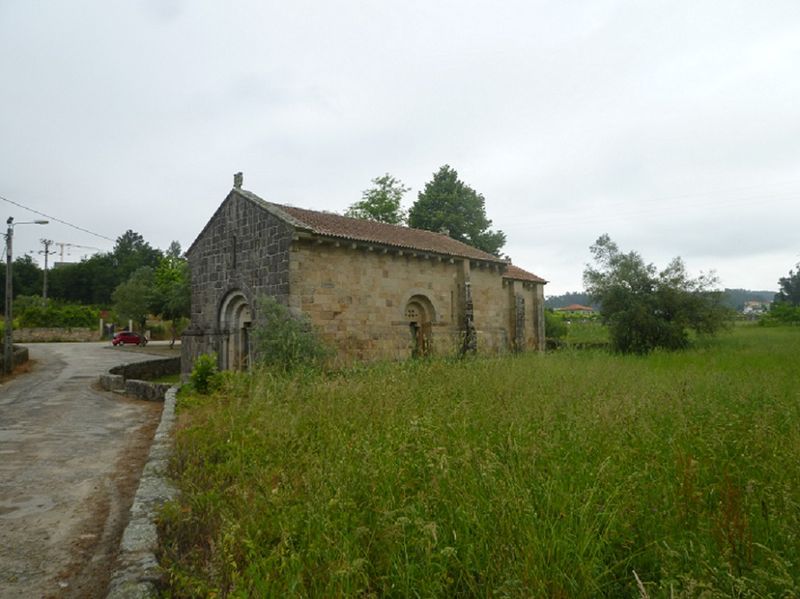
point(134, 279)
point(90, 281)
point(446, 205)
point(732, 298)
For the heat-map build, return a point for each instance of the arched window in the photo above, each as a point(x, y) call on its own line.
point(420, 315)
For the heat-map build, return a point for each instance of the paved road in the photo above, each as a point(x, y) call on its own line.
point(70, 457)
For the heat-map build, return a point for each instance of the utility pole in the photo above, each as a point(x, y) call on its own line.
point(8, 353)
point(8, 345)
point(46, 251)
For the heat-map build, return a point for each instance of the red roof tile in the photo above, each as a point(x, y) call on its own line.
point(517, 274)
point(335, 225)
point(576, 308)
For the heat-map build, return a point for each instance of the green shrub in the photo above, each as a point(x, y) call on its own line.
point(554, 325)
point(285, 341)
point(203, 372)
point(33, 312)
point(645, 308)
point(781, 313)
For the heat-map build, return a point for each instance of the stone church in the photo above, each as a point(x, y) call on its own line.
point(373, 291)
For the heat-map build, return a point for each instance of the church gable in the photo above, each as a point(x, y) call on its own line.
point(243, 247)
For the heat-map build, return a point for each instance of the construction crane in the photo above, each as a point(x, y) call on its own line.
point(62, 245)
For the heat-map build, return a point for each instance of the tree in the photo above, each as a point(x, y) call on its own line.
point(285, 341)
point(90, 281)
point(93, 279)
point(172, 294)
point(34, 311)
point(174, 250)
point(26, 277)
point(381, 202)
point(133, 298)
point(789, 288)
point(131, 252)
point(447, 203)
point(646, 309)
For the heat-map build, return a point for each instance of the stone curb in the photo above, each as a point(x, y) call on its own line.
point(136, 575)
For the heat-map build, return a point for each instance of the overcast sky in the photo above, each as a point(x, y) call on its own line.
point(673, 126)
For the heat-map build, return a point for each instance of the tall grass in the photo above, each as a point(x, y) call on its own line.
point(536, 475)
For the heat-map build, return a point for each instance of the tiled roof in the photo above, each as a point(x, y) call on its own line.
point(334, 225)
point(356, 229)
point(576, 308)
point(516, 273)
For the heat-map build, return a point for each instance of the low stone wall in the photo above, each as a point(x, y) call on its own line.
point(53, 334)
point(151, 369)
point(130, 378)
point(146, 390)
point(137, 574)
point(19, 355)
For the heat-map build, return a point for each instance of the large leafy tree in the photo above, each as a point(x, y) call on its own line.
point(382, 201)
point(171, 298)
point(131, 252)
point(133, 298)
point(789, 288)
point(645, 308)
point(93, 279)
point(90, 281)
point(447, 203)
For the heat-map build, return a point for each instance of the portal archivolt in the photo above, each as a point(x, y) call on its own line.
point(420, 315)
point(235, 321)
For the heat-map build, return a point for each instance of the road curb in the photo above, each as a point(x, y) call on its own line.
point(137, 575)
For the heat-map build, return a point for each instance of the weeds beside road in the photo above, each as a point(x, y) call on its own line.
point(552, 475)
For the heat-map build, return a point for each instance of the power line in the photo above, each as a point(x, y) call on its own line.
point(58, 220)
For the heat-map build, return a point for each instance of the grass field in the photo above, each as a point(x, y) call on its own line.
point(586, 332)
point(552, 475)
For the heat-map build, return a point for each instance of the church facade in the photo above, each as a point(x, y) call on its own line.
point(373, 291)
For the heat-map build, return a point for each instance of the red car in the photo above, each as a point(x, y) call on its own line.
point(124, 337)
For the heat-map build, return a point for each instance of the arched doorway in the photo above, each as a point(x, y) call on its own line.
point(420, 315)
point(235, 321)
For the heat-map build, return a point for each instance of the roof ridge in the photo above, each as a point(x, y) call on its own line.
point(333, 224)
point(359, 229)
point(372, 222)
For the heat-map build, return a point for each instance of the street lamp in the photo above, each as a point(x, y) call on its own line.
point(8, 348)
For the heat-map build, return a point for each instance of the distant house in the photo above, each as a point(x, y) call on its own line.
point(575, 310)
point(755, 307)
point(374, 291)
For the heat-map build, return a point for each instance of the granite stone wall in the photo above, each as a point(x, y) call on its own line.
point(357, 297)
point(149, 369)
point(494, 310)
point(46, 334)
point(243, 248)
point(133, 378)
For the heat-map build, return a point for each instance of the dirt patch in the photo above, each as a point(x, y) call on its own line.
point(96, 541)
point(19, 369)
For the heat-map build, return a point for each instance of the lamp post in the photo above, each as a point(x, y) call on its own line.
point(8, 347)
